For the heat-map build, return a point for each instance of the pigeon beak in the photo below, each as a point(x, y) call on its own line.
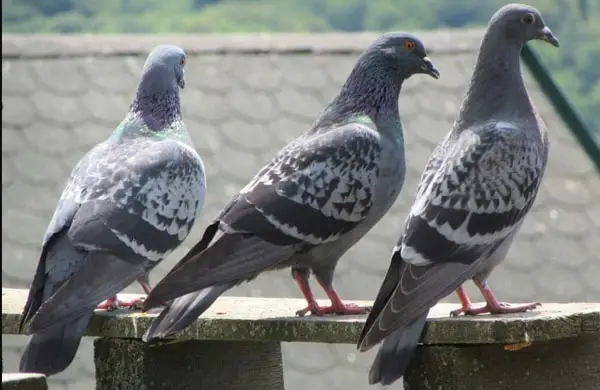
point(546, 35)
point(428, 68)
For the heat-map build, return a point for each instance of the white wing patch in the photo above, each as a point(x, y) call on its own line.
point(363, 182)
point(334, 173)
point(293, 231)
point(411, 255)
point(483, 171)
point(140, 248)
point(171, 196)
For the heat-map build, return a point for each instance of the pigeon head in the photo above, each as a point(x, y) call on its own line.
point(157, 97)
point(163, 69)
point(374, 85)
point(403, 53)
point(522, 23)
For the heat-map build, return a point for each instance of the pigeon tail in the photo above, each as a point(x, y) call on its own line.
point(229, 260)
point(181, 312)
point(53, 349)
point(396, 353)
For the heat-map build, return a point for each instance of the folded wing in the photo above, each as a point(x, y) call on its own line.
point(471, 197)
point(314, 191)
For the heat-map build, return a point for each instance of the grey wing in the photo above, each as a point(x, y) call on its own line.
point(329, 180)
point(480, 194)
point(58, 269)
point(141, 203)
point(134, 208)
point(50, 274)
point(313, 192)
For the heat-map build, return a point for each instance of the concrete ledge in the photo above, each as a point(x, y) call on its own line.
point(571, 363)
point(236, 346)
point(19, 381)
point(272, 319)
point(128, 364)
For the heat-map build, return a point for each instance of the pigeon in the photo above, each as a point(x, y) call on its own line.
point(312, 202)
point(129, 202)
point(478, 186)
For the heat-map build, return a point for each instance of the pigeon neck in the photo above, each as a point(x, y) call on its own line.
point(371, 91)
point(497, 88)
point(157, 107)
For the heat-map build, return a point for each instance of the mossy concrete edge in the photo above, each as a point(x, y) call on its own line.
point(439, 331)
point(19, 381)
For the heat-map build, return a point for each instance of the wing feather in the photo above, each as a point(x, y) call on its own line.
point(311, 193)
point(314, 191)
point(475, 191)
point(140, 201)
point(130, 201)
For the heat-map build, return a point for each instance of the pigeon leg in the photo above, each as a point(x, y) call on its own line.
point(113, 303)
point(465, 302)
point(301, 278)
point(136, 303)
point(145, 286)
point(110, 304)
point(339, 307)
point(492, 305)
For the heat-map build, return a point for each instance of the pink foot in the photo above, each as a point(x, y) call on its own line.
point(113, 303)
point(492, 306)
point(499, 308)
point(343, 309)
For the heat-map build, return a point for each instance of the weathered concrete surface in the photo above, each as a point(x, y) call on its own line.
point(129, 364)
point(17, 381)
point(272, 319)
point(571, 363)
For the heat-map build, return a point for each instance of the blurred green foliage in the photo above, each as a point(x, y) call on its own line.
point(576, 66)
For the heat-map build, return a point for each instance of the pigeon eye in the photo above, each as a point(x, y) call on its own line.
point(182, 62)
point(409, 45)
point(529, 18)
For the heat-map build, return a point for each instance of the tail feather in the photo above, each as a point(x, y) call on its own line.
point(53, 349)
point(61, 320)
point(396, 352)
point(181, 312)
point(101, 276)
point(232, 258)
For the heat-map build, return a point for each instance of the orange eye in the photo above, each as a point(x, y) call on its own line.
point(409, 45)
point(182, 62)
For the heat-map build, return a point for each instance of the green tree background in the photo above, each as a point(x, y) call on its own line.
point(576, 66)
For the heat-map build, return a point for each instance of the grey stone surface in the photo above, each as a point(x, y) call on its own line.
point(128, 364)
point(245, 97)
point(258, 319)
point(17, 381)
point(560, 364)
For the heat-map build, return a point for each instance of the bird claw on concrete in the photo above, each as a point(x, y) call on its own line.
point(500, 308)
point(345, 309)
point(114, 303)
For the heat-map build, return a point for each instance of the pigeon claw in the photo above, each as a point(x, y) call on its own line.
point(113, 303)
point(313, 310)
point(500, 308)
point(344, 309)
point(134, 304)
point(462, 310)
